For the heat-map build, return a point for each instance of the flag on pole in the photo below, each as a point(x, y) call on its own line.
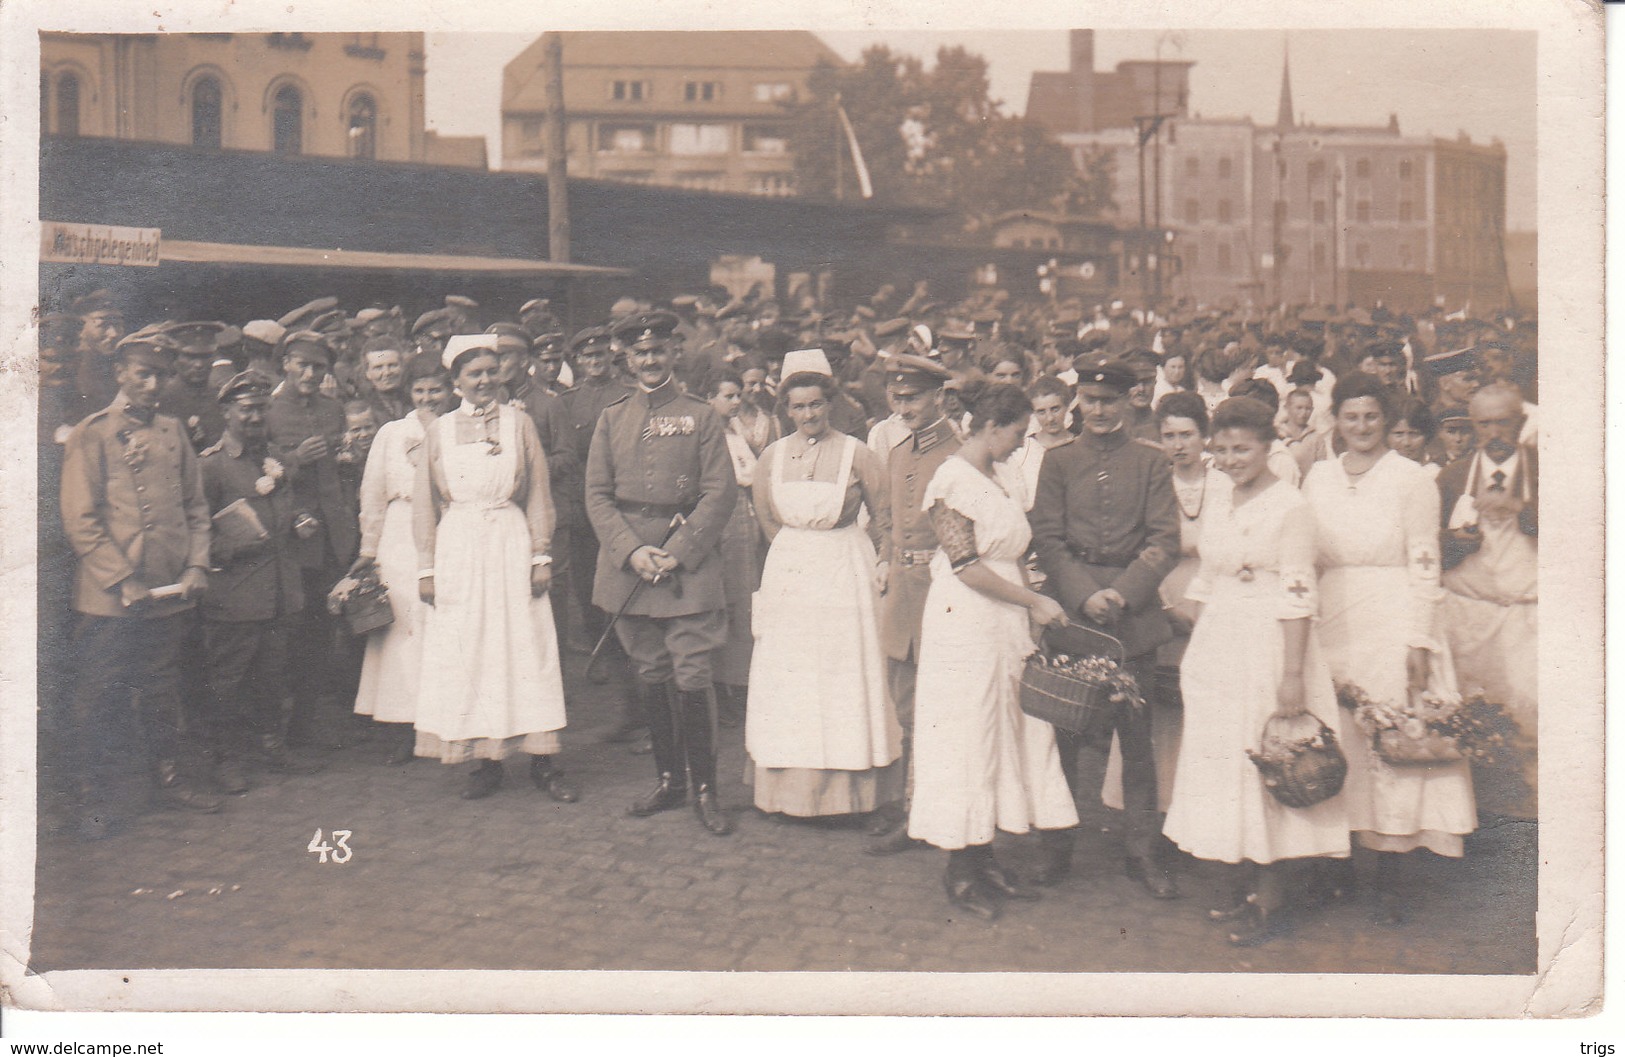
point(857, 153)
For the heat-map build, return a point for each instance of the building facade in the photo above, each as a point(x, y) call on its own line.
point(1309, 213)
point(1082, 99)
point(702, 110)
point(358, 95)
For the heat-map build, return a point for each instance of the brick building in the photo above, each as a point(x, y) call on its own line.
point(701, 110)
point(357, 95)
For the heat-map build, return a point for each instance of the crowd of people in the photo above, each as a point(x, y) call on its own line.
point(846, 530)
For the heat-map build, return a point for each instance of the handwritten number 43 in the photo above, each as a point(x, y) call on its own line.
point(340, 849)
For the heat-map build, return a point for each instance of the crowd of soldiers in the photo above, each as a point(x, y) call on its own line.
point(148, 435)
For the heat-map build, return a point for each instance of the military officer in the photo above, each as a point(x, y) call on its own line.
point(914, 391)
point(101, 327)
point(1106, 529)
point(134, 512)
point(307, 428)
point(187, 396)
point(256, 589)
point(430, 331)
point(660, 488)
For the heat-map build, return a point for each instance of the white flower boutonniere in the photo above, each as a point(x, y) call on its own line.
point(273, 472)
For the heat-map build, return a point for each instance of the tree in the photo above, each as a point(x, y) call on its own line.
point(1091, 191)
point(928, 137)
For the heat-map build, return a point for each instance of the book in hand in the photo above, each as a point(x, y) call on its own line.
point(237, 528)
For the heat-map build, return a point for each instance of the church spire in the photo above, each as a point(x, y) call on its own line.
point(1283, 116)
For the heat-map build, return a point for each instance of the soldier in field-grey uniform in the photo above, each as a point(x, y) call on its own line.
point(659, 455)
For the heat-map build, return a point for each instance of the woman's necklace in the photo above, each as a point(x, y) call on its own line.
point(1183, 489)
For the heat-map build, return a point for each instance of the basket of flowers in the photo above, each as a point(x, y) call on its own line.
point(1299, 760)
point(1431, 727)
point(1079, 692)
point(363, 600)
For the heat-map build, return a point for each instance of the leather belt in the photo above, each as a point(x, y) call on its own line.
point(663, 511)
point(915, 557)
point(1092, 557)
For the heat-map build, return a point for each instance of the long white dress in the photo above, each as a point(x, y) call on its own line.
point(491, 681)
point(390, 669)
point(1377, 538)
point(820, 727)
point(980, 763)
point(1257, 569)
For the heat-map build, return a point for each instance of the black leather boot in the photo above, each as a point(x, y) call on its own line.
point(551, 779)
point(1056, 845)
point(965, 888)
point(1001, 881)
point(229, 775)
point(274, 752)
point(483, 780)
point(174, 790)
point(672, 789)
point(699, 743)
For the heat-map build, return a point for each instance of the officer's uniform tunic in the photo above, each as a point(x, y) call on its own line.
point(655, 455)
point(582, 405)
point(910, 465)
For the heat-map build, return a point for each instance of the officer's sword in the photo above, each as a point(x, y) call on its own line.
point(593, 675)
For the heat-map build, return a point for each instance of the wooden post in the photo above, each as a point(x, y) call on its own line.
point(558, 194)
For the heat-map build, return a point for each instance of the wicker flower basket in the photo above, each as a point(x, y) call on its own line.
point(1076, 686)
point(1300, 770)
point(1404, 747)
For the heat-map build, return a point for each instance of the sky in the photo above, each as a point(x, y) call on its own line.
point(1439, 82)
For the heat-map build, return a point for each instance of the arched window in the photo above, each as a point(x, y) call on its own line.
point(206, 107)
point(67, 105)
point(288, 121)
point(363, 127)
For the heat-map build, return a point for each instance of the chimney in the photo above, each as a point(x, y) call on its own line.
point(1082, 43)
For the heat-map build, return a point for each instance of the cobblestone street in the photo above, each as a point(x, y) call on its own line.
point(520, 882)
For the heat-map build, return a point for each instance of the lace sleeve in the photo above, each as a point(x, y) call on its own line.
point(956, 535)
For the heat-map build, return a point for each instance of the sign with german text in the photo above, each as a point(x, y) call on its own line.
point(100, 244)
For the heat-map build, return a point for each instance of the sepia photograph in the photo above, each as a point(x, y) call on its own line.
point(669, 508)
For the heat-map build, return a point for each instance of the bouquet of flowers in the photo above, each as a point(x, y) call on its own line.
point(363, 600)
point(1298, 769)
point(1431, 727)
point(1079, 694)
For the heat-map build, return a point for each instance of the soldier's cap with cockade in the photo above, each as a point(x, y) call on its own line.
point(549, 345)
point(956, 331)
point(1454, 362)
point(460, 301)
point(509, 335)
point(97, 302)
point(536, 304)
point(1454, 413)
point(1105, 370)
point(593, 339)
point(1384, 349)
point(436, 320)
point(309, 344)
point(910, 375)
point(148, 345)
point(646, 329)
point(250, 384)
point(197, 338)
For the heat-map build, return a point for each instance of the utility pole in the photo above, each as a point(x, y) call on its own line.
point(1337, 178)
point(558, 191)
point(1156, 167)
point(840, 170)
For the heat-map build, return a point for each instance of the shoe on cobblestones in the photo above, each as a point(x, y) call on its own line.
point(885, 820)
point(552, 781)
point(666, 795)
point(1005, 883)
point(229, 776)
point(643, 746)
point(483, 780)
point(175, 791)
point(710, 812)
point(403, 749)
point(1153, 876)
point(274, 752)
point(1056, 865)
point(899, 841)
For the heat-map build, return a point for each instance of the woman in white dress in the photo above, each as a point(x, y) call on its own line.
point(1252, 656)
point(483, 519)
point(1183, 423)
point(1377, 531)
point(388, 691)
point(980, 763)
point(820, 727)
point(1046, 430)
